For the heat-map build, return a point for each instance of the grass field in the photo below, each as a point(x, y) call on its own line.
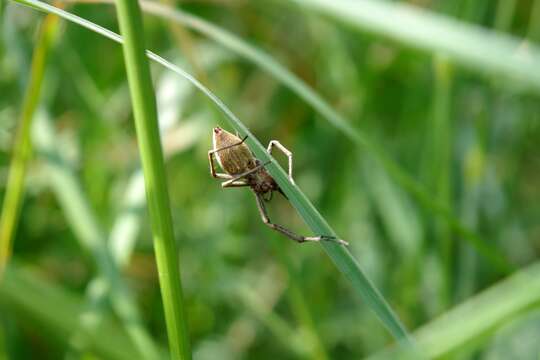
point(414, 128)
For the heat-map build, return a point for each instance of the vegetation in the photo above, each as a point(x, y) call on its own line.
point(413, 131)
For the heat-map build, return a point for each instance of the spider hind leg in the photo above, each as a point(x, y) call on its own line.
point(288, 233)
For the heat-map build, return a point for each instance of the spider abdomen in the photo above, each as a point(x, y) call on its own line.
point(235, 160)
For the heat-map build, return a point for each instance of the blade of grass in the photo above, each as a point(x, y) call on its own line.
point(399, 218)
point(146, 124)
point(22, 148)
point(341, 256)
point(437, 169)
point(482, 314)
point(474, 169)
point(57, 312)
point(468, 45)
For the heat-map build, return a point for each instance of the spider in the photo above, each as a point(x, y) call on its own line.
point(242, 169)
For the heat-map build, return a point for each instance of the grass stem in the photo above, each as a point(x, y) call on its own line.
point(146, 123)
point(22, 148)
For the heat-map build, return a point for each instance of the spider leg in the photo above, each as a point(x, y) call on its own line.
point(298, 238)
point(269, 197)
point(235, 184)
point(249, 172)
point(232, 181)
point(230, 146)
point(284, 150)
point(213, 167)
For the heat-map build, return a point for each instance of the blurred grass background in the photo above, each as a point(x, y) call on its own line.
point(465, 130)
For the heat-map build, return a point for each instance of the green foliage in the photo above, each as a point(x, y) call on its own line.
point(409, 155)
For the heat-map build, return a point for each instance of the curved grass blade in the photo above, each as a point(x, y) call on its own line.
point(471, 46)
point(341, 256)
point(482, 313)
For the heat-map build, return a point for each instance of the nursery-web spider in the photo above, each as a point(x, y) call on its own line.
point(242, 169)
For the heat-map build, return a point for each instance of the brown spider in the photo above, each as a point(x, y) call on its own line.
point(243, 169)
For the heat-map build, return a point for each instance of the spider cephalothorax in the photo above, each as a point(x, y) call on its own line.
point(242, 169)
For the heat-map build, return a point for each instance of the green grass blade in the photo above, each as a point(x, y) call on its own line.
point(343, 259)
point(146, 123)
point(437, 170)
point(482, 314)
point(468, 45)
point(22, 148)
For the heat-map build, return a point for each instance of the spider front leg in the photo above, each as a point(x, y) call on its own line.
point(231, 180)
point(283, 150)
point(234, 184)
point(291, 235)
point(213, 167)
point(238, 177)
